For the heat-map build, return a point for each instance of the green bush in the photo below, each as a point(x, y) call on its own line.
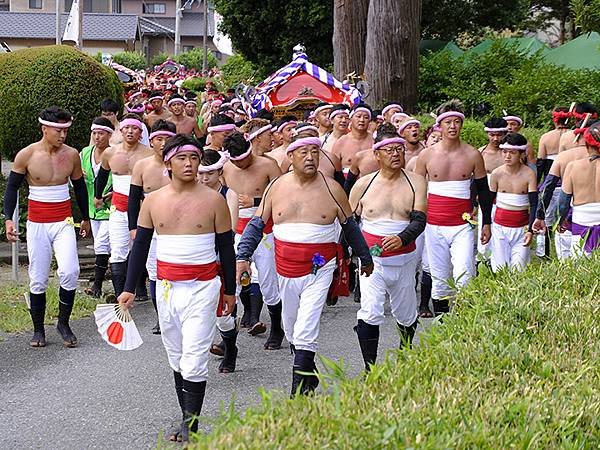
point(158, 59)
point(35, 78)
point(194, 59)
point(515, 366)
point(238, 69)
point(131, 60)
point(196, 84)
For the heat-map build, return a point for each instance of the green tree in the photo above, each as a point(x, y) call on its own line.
point(587, 14)
point(131, 60)
point(238, 69)
point(194, 58)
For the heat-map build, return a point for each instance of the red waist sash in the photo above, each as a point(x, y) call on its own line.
point(373, 239)
point(294, 260)
point(447, 211)
point(243, 221)
point(48, 212)
point(186, 272)
point(512, 219)
point(120, 201)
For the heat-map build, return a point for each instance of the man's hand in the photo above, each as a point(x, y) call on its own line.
point(126, 300)
point(98, 202)
point(245, 201)
point(84, 228)
point(391, 243)
point(486, 233)
point(366, 270)
point(11, 231)
point(527, 239)
point(229, 301)
point(241, 267)
point(563, 226)
point(539, 226)
point(132, 234)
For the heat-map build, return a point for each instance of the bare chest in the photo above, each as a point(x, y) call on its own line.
point(45, 169)
point(305, 206)
point(251, 181)
point(492, 160)
point(153, 178)
point(387, 201)
point(182, 215)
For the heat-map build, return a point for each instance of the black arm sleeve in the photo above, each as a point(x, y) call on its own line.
point(533, 201)
point(137, 257)
point(136, 195)
point(257, 201)
point(101, 181)
point(349, 182)
point(15, 180)
point(564, 204)
point(416, 226)
point(251, 237)
point(227, 257)
point(493, 196)
point(81, 197)
point(357, 241)
point(338, 176)
point(485, 199)
point(550, 184)
point(543, 167)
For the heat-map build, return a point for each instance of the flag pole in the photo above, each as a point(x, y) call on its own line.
point(57, 22)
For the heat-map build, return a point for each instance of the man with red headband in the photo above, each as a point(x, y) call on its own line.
point(451, 166)
point(184, 124)
point(306, 249)
point(347, 146)
point(189, 285)
point(48, 165)
point(119, 162)
point(156, 100)
point(581, 187)
point(583, 114)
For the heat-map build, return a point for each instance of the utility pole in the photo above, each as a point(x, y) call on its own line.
point(57, 9)
point(204, 43)
point(80, 28)
point(177, 27)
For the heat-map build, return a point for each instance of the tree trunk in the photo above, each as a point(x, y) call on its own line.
point(349, 36)
point(392, 52)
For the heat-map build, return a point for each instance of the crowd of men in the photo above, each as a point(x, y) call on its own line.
point(224, 213)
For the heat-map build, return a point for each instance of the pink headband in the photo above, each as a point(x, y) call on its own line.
point(380, 117)
point(181, 149)
point(321, 108)
point(284, 124)
point(101, 128)
point(255, 133)
point(399, 115)
point(193, 102)
point(138, 110)
point(407, 123)
point(175, 100)
point(495, 130)
point(216, 166)
point(156, 97)
point(447, 114)
point(337, 112)
point(217, 102)
point(242, 156)
point(55, 124)
point(131, 122)
point(521, 148)
point(161, 133)
point(304, 142)
point(360, 109)
point(393, 105)
point(305, 128)
point(218, 128)
point(385, 142)
point(515, 118)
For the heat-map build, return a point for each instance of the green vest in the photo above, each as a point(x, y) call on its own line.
point(90, 179)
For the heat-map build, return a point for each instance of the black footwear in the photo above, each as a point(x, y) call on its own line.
point(230, 353)
point(119, 273)
point(440, 307)
point(100, 268)
point(245, 299)
point(175, 433)
point(193, 397)
point(424, 310)
point(37, 303)
point(38, 339)
point(407, 333)
point(304, 379)
point(352, 281)
point(368, 339)
point(276, 333)
point(156, 328)
point(357, 293)
point(65, 306)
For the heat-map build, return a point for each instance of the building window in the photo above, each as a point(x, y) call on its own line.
point(154, 8)
point(35, 4)
point(90, 6)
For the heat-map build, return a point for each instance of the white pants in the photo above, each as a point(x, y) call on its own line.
point(397, 281)
point(120, 241)
point(508, 249)
point(151, 261)
point(302, 300)
point(187, 317)
point(101, 237)
point(41, 239)
point(562, 242)
point(422, 257)
point(451, 256)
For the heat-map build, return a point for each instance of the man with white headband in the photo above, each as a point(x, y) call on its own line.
point(306, 249)
point(191, 106)
point(514, 125)
point(409, 129)
point(184, 124)
point(581, 113)
point(119, 162)
point(189, 285)
point(392, 204)
point(258, 133)
point(515, 187)
point(149, 175)
point(248, 175)
point(156, 100)
point(110, 110)
point(581, 187)
point(48, 165)
point(388, 111)
point(220, 127)
point(323, 122)
point(450, 165)
point(285, 129)
point(91, 158)
point(340, 119)
point(346, 147)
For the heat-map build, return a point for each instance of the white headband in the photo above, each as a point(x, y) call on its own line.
point(255, 133)
point(407, 123)
point(399, 115)
point(193, 102)
point(156, 97)
point(242, 156)
point(360, 109)
point(216, 166)
point(322, 107)
point(95, 127)
point(304, 142)
point(225, 127)
point(131, 122)
point(495, 130)
point(175, 100)
point(297, 131)
point(284, 124)
point(161, 133)
point(395, 140)
point(55, 124)
point(521, 148)
point(393, 105)
point(447, 114)
point(337, 112)
point(515, 118)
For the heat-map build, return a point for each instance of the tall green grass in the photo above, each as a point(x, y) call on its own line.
point(517, 365)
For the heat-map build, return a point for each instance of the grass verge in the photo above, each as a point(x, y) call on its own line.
point(516, 366)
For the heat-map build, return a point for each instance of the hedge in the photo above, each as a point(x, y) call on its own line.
point(517, 365)
point(33, 79)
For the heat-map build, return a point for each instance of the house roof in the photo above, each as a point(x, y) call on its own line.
point(96, 27)
point(192, 24)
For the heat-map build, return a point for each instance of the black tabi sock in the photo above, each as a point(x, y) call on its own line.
point(37, 310)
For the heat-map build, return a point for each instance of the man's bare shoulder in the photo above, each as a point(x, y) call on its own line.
point(499, 170)
point(415, 178)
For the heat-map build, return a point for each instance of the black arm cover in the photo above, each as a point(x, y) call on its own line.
point(493, 196)
point(338, 176)
point(543, 167)
point(81, 197)
point(136, 195)
point(533, 201)
point(251, 237)
point(10, 196)
point(349, 182)
point(101, 181)
point(416, 226)
point(137, 257)
point(485, 199)
point(227, 257)
point(550, 184)
point(257, 201)
point(564, 204)
point(357, 241)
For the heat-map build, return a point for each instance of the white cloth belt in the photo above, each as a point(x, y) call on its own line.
point(186, 248)
point(511, 201)
point(384, 227)
point(247, 212)
point(49, 194)
point(552, 157)
point(455, 189)
point(121, 183)
point(306, 233)
point(587, 214)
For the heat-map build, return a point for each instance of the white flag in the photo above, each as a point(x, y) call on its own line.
point(73, 25)
point(221, 41)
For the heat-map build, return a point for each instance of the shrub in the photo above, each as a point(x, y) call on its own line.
point(194, 59)
point(35, 78)
point(238, 69)
point(131, 60)
point(158, 59)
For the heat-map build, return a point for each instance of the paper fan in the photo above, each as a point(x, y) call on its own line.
point(117, 327)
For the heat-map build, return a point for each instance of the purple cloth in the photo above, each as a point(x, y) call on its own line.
point(593, 235)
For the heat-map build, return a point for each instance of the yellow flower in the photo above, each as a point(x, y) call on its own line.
point(167, 287)
point(70, 221)
point(467, 217)
point(113, 208)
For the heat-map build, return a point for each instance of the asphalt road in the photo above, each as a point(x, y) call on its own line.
point(95, 396)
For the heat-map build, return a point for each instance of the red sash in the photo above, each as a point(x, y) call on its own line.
point(186, 272)
point(120, 201)
point(373, 239)
point(47, 212)
point(294, 260)
point(447, 211)
point(243, 221)
point(512, 219)
point(340, 285)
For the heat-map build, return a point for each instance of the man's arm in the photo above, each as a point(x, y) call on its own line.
point(356, 193)
point(353, 174)
point(224, 241)
point(421, 164)
point(482, 189)
point(232, 204)
point(136, 195)
point(254, 229)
